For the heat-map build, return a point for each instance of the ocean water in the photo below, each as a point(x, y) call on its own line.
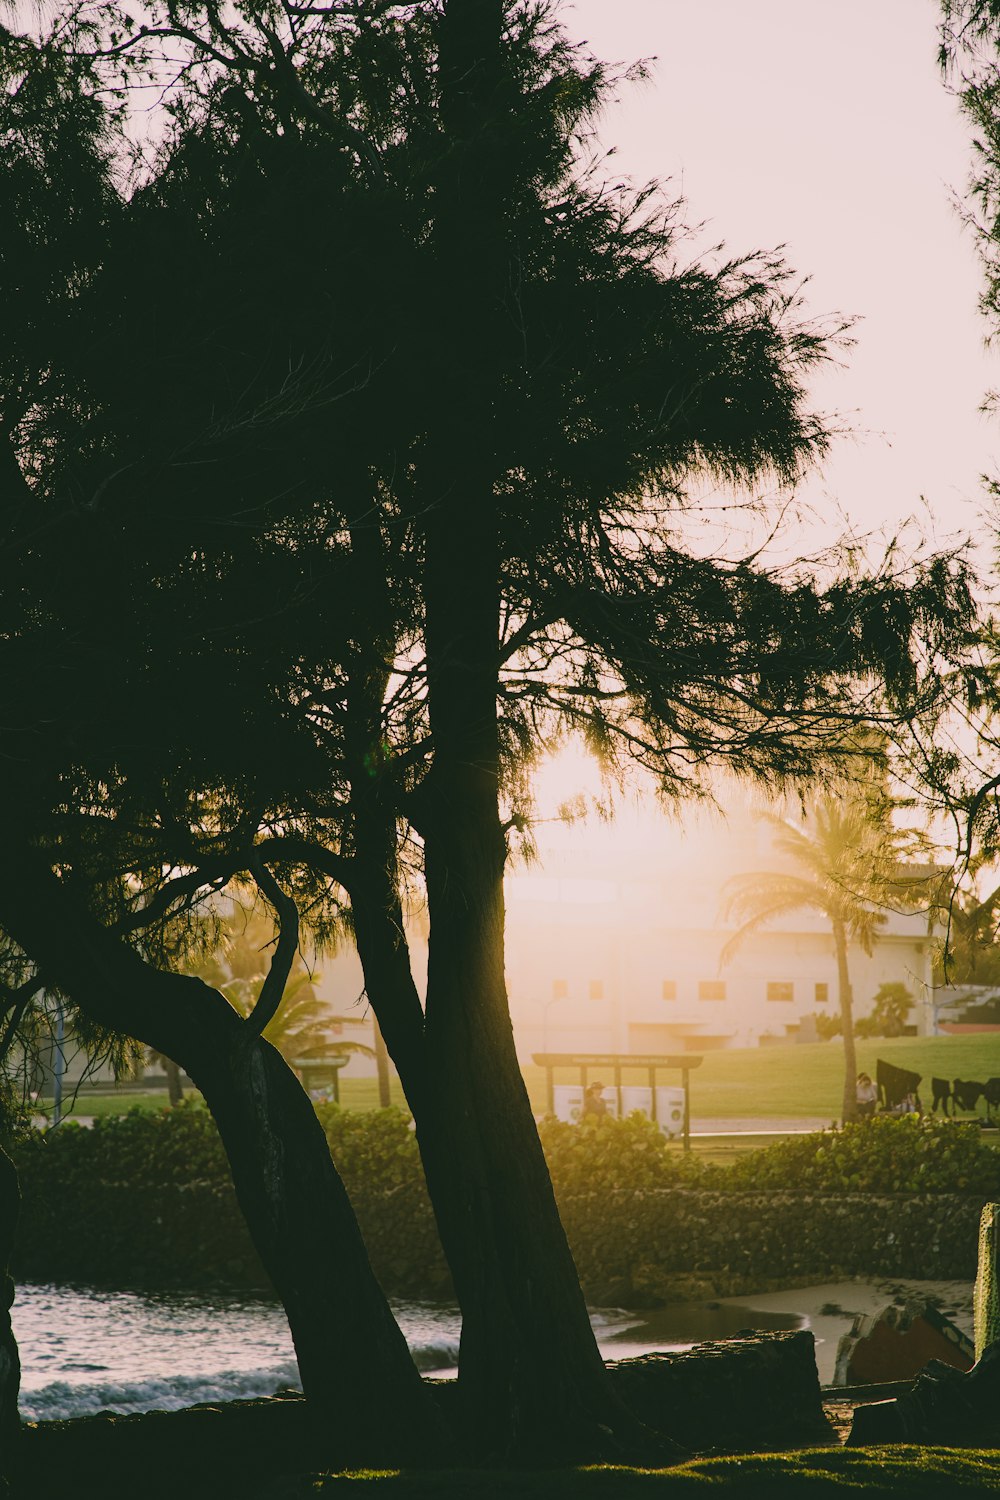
point(85, 1350)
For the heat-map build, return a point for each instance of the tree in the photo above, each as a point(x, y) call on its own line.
point(10, 1370)
point(890, 1008)
point(845, 854)
point(240, 943)
point(969, 954)
point(428, 464)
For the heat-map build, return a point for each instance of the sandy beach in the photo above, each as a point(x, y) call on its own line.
point(830, 1308)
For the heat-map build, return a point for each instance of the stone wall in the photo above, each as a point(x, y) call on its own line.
point(631, 1246)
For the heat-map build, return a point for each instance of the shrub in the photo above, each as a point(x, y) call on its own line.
point(151, 1148)
point(375, 1150)
point(893, 1003)
point(884, 1155)
point(603, 1154)
point(827, 1026)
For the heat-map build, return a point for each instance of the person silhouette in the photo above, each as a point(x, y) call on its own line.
point(594, 1102)
point(867, 1096)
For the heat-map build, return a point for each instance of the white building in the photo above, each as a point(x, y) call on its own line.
point(614, 943)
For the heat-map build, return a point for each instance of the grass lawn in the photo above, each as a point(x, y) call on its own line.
point(95, 1106)
point(806, 1081)
point(355, 1093)
point(773, 1083)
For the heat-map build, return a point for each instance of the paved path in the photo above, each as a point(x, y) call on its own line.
point(756, 1125)
point(741, 1125)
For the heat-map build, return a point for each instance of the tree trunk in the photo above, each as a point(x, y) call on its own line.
point(849, 1108)
point(382, 1067)
point(531, 1379)
point(295, 1205)
point(10, 1367)
point(175, 1089)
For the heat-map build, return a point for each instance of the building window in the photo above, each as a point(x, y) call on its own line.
point(560, 989)
point(711, 989)
point(669, 991)
point(780, 990)
point(596, 989)
point(822, 994)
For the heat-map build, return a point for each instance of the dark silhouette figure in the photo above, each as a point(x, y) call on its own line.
point(991, 1093)
point(966, 1094)
point(894, 1084)
point(942, 1095)
point(594, 1102)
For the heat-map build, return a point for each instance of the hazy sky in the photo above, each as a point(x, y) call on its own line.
point(826, 127)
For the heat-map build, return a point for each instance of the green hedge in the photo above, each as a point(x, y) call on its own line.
point(883, 1155)
point(145, 1198)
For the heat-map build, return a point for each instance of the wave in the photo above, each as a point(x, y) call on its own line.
point(59, 1399)
point(67, 1377)
point(438, 1357)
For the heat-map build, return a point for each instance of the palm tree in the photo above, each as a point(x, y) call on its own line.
point(238, 966)
point(846, 854)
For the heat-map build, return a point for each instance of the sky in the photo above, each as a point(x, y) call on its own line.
point(827, 128)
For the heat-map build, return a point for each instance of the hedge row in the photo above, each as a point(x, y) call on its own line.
point(377, 1151)
point(146, 1199)
point(634, 1248)
point(883, 1155)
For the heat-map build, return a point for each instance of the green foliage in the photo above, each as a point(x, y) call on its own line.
point(884, 1155)
point(375, 1150)
point(156, 1148)
point(150, 1200)
point(827, 1026)
point(604, 1154)
point(376, 1153)
point(14, 1120)
point(893, 1003)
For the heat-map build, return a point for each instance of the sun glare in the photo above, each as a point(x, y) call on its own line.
point(568, 781)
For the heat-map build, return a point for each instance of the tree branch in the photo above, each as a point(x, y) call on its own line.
point(273, 988)
point(16, 1003)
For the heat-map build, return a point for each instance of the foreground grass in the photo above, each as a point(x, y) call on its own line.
point(823, 1472)
point(806, 1081)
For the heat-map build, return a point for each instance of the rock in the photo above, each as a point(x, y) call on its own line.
point(898, 1343)
point(945, 1406)
point(755, 1391)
